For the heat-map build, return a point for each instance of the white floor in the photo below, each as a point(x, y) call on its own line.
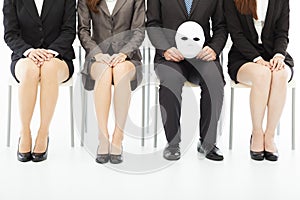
point(72, 173)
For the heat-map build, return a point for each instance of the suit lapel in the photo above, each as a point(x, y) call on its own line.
point(183, 7)
point(31, 8)
point(250, 23)
point(47, 5)
point(269, 15)
point(118, 6)
point(194, 5)
point(104, 8)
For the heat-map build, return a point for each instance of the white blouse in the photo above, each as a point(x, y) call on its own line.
point(111, 5)
point(262, 7)
point(39, 6)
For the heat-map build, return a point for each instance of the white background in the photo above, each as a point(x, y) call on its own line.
point(71, 173)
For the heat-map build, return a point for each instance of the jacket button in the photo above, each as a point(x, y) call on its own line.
point(40, 29)
point(42, 40)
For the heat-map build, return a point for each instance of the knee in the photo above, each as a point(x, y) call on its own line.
point(27, 70)
point(99, 70)
point(169, 76)
point(123, 72)
point(280, 77)
point(262, 77)
point(49, 71)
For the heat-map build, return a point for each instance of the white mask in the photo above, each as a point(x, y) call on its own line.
point(189, 39)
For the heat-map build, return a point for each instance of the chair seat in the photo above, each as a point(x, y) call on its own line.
point(291, 84)
point(189, 84)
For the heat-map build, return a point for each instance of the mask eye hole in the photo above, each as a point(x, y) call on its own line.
point(196, 39)
point(184, 38)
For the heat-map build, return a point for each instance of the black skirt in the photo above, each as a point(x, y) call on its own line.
point(234, 67)
point(68, 62)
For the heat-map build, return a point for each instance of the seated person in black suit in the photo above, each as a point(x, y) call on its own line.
point(40, 33)
point(258, 58)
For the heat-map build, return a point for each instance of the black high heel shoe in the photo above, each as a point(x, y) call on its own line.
point(258, 156)
point(102, 158)
point(116, 158)
point(23, 157)
point(38, 157)
point(271, 156)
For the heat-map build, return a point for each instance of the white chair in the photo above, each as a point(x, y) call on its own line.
point(12, 83)
point(233, 86)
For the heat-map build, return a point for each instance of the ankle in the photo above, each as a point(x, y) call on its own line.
point(43, 132)
point(25, 133)
point(257, 133)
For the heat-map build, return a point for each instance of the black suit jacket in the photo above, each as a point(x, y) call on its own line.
point(55, 29)
point(245, 38)
point(165, 16)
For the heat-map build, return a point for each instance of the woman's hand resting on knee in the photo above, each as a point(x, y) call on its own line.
point(277, 63)
point(39, 56)
point(103, 58)
point(264, 63)
point(111, 61)
point(117, 58)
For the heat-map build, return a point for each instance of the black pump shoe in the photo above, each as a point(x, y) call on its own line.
point(23, 157)
point(116, 158)
point(271, 156)
point(38, 157)
point(102, 158)
point(256, 155)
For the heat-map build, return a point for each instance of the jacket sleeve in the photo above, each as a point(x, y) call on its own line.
point(137, 31)
point(154, 27)
point(236, 32)
point(12, 31)
point(281, 38)
point(84, 29)
point(220, 33)
point(68, 29)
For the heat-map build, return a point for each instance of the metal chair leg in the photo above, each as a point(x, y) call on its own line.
point(71, 116)
point(231, 118)
point(9, 116)
point(293, 117)
point(155, 116)
point(83, 106)
point(143, 115)
point(148, 91)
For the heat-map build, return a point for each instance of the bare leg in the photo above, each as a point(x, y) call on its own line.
point(259, 77)
point(102, 98)
point(275, 105)
point(123, 73)
point(53, 73)
point(28, 74)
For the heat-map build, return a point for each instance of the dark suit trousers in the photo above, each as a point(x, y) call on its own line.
point(209, 76)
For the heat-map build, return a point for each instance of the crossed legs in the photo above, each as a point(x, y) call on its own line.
point(268, 90)
point(49, 75)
